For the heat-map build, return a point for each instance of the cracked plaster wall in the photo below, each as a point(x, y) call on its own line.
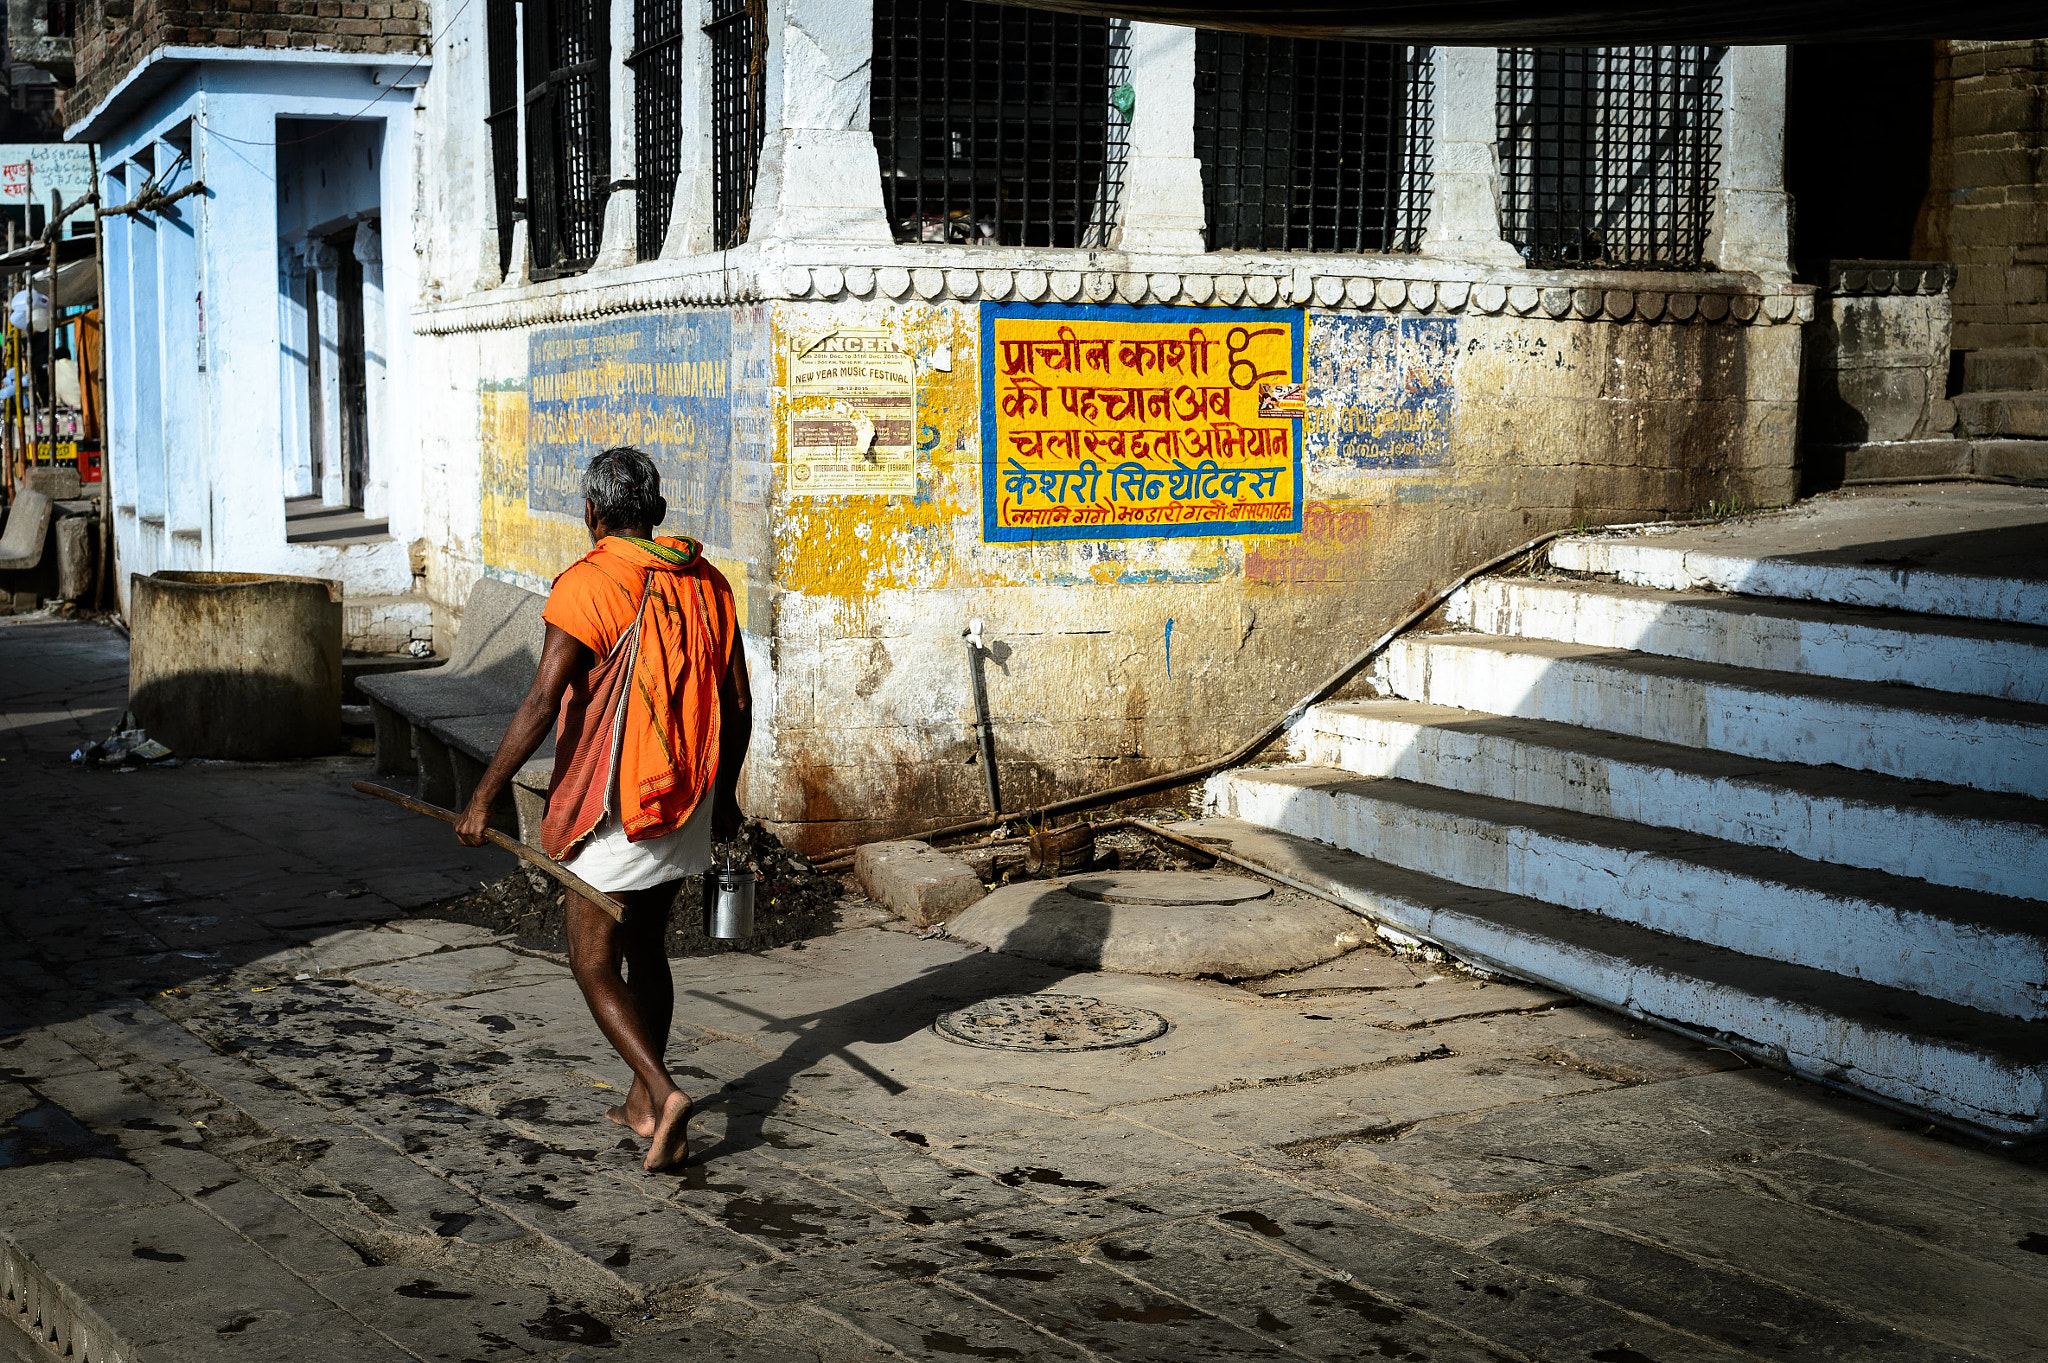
point(1571, 396)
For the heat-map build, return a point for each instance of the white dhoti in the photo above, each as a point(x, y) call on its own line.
point(611, 863)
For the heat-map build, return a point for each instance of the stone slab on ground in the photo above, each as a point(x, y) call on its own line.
point(404, 1156)
point(918, 883)
point(1162, 923)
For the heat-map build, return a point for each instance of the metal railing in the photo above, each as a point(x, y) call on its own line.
point(739, 54)
point(568, 131)
point(657, 66)
point(1312, 144)
point(992, 123)
point(1609, 154)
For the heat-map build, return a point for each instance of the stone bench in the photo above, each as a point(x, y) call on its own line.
point(24, 576)
point(443, 724)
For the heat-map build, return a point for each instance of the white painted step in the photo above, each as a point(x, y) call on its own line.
point(1939, 653)
point(1780, 717)
point(1944, 834)
point(1982, 951)
point(1681, 565)
point(1970, 1066)
point(1979, 950)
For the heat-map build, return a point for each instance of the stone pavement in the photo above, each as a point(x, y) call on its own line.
point(256, 1109)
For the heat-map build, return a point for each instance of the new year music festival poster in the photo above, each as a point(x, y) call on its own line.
point(1139, 423)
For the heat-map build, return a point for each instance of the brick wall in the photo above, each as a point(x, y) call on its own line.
point(113, 36)
point(1988, 201)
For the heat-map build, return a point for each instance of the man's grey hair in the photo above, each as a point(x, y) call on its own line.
point(625, 488)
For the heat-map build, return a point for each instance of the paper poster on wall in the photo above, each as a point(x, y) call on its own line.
point(1383, 392)
point(852, 416)
point(1139, 423)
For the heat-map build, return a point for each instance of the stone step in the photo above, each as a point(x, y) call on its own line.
point(2004, 368)
point(2008, 412)
point(1979, 950)
point(1995, 745)
point(1939, 653)
point(2024, 459)
point(1970, 839)
point(1883, 577)
point(386, 624)
point(1974, 1068)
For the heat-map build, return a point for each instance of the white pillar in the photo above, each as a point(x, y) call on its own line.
point(325, 262)
point(293, 374)
point(1465, 182)
point(819, 179)
point(369, 252)
point(1752, 226)
point(619, 244)
point(1162, 207)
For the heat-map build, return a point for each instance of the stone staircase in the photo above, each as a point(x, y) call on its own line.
point(1792, 799)
point(2003, 410)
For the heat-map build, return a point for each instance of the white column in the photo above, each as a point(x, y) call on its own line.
point(369, 251)
point(1162, 207)
point(1465, 183)
point(1752, 226)
point(325, 261)
point(619, 245)
point(819, 179)
point(293, 375)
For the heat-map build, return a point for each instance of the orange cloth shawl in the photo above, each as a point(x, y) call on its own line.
point(662, 624)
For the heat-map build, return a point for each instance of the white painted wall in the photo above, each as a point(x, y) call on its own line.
point(199, 456)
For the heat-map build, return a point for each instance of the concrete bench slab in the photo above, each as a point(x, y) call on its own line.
point(919, 884)
point(27, 530)
point(442, 725)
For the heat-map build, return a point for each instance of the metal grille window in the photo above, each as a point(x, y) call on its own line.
point(994, 124)
point(501, 36)
point(1608, 154)
point(568, 131)
point(1312, 144)
point(739, 55)
point(657, 64)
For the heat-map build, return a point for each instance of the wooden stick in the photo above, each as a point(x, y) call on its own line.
point(517, 848)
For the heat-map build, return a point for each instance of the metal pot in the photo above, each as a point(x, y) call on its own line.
point(729, 904)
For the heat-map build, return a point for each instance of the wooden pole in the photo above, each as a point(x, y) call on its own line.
point(56, 231)
point(517, 848)
point(98, 375)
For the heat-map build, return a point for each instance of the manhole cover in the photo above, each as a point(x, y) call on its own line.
point(1049, 1022)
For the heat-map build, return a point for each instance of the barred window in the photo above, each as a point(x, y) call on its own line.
point(501, 39)
point(568, 131)
point(657, 64)
point(993, 123)
point(739, 56)
point(1609, 154)
point(1312, 144)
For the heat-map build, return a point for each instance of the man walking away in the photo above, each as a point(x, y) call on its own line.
point(643, 667)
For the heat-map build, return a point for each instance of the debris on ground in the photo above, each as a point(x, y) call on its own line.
point(126, 747)
point(792, 901)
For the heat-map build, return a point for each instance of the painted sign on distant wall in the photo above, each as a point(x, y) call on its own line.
point(30, 170)
point(1138, 423)
point(852, 415)
point(658, 381)
point(1381, 391)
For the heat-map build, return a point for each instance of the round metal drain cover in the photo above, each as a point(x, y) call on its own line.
point(1049, 1022)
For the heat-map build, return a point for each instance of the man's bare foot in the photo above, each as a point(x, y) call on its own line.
point(636, 1114)
point(669, 1145)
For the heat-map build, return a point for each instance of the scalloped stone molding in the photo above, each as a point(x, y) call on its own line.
point(1360, 293)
